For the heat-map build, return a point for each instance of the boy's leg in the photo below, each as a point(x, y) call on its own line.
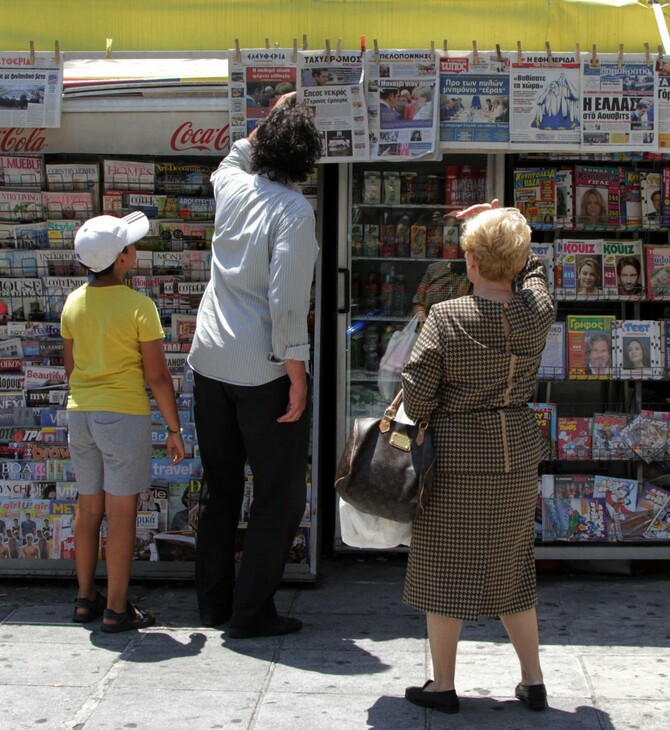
point(223, 457)
point(121, 520)
point(90, 511)
point(277, 454)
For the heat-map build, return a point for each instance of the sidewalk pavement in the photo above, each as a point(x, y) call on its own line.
point(605, 651)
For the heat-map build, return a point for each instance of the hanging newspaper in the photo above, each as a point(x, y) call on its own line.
point(474, 100)
point(332, 85)
point(663, 102)
point(31, 88)
point(545, 103)
point(402, 88)
point(258, 77)
point(618, 98)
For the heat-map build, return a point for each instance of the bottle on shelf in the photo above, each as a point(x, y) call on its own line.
point(371, 348)
point(387, 292)
point(371, 291)
point(400, 296)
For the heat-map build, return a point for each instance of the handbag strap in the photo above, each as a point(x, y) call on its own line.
point(390, 414)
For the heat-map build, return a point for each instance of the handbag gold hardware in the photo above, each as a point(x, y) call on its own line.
point(400, 441)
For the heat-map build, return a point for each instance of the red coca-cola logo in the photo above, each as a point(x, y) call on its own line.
point(188, 137)
point(18, 139)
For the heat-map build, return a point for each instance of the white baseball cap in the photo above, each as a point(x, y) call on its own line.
point(101, 239)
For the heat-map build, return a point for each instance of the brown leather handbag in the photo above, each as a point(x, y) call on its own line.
point(387, 466)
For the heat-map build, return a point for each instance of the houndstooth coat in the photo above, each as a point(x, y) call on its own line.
point(472, 371)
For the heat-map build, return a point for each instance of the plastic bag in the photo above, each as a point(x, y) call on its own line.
point(367, 531)
point(395, 358)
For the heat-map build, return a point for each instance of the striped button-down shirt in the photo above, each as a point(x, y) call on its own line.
point(253, 314)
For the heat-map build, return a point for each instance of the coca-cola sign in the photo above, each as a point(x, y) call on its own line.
point(18, 139)
point(189, 137)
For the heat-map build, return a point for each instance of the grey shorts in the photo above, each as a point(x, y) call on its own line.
point(110, 452)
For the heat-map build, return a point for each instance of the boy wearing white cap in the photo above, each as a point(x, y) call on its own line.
point(112, 344)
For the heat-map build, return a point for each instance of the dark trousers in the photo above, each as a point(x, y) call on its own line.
point(236, 424)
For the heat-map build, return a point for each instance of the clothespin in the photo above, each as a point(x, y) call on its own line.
point(339, 46)
point(432, 46)
point(238, 52)
point(32, 53)
point(57, 52)
point(594, 56)
point(108, 47)
point(548, 47)
point(376, 45)
point(475, 53)
point(660, 55)
point(444, 45)
point(363, 46)
point(519, 57)
point(328, 47)
point(276, 44)
point(498, 53)
point(295, 50)
point(647, 54)
point(267, 44)
point(304, 41)
point(620, 59)
point(578, 57)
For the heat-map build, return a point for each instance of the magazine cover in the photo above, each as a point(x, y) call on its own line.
point(21, 172)
point(128, 175)
point(21, 206)
point(181, 178)
point(579, 268)
point(647, 437)
point(569, 486)
point(623, 270)
point(21, 299)
point(636, 347)
point(659, 529)
point(545, 252)
point(597, 197)
point(607, 442)
point(658, 272)
point(574, 438)
point(589, 346)
point(535, 195)
point(664, 417)
point(650, 198)
point(553, 363)
point(545, 417)
point(650, 500)
point(575, 519)
point(77, 205)
point(73, 177)
point(620, 496)
point(631, 200)
point(565, 194)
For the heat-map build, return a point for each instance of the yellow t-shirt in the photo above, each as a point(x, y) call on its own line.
point(107, 324)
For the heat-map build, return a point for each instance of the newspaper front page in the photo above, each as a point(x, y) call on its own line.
point(618, 109)
point(402, 98)
point(545, 103)
point(663, 102)
point(474, 100)
point(257, 78)
point(332, 86)
point(30, 93)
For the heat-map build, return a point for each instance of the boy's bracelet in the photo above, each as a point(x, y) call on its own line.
point(169, 430)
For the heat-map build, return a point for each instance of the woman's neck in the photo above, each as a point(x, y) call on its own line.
point(496, 291)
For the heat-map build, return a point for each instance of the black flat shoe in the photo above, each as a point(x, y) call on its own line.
point(534, 695)
point(440, 701)
point(278, 627)
point(211, 620)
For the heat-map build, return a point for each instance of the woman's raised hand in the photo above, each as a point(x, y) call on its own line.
point(479, 208)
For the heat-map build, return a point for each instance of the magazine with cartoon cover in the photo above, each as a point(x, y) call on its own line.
point(631, 199)
point(475, 99)
point(568, 486)
point(659, 528)
point(620, 496)
point(574, 438)
point(578, 268)
point(535, 195)
point(623, 270)
point(647, 437)
point(636, 349)
point(607, 442)
point(332, 85)
point(545, 417)
point(618, 103)
point(651, 498)
point(545, 100)
point(575, 519)
point(402, 130)
point(658, 272)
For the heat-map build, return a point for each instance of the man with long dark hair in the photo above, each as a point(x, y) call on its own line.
point(250, 356)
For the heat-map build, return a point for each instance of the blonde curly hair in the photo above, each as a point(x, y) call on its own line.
point(499, 241)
